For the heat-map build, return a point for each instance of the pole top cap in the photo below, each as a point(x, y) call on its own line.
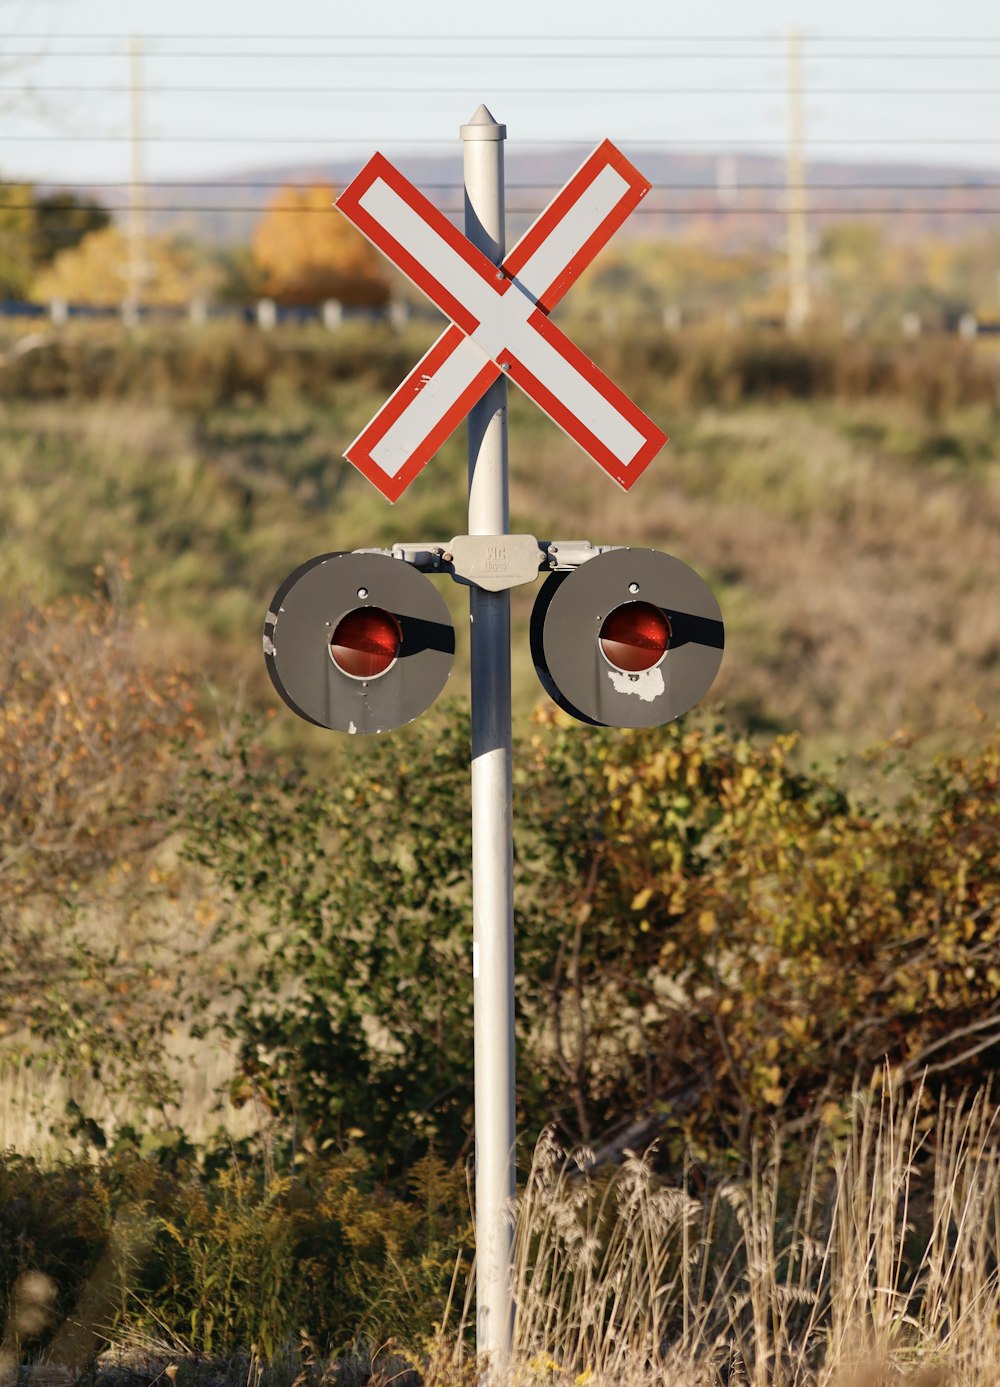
point(483, 126)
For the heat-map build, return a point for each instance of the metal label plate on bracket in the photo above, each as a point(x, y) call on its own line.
point(495, 562)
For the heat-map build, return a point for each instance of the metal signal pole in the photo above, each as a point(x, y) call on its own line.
point(492, 823)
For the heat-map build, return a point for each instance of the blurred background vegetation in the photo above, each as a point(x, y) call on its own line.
point(234, 977)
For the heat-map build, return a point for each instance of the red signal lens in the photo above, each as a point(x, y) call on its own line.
point(366, 642)
point(634, 636)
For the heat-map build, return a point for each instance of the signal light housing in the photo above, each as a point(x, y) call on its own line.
point(631, 638)
point(366, 642)
point(634, 637)
point(358, 642)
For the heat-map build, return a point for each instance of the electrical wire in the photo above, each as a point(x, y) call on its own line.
point(36, 56)
point(456, 183)
point(713, 209)
point(395, 90)
point(718, 144)
point(804, 37)
point(521, 57)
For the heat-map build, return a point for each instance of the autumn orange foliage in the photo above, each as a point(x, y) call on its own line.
point(307, 252)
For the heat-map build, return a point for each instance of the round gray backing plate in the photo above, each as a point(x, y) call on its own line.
point(568, 655)
point(303, 616)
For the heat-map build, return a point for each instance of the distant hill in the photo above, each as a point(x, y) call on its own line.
point(713, 196)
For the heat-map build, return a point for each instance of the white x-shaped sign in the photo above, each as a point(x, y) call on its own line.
point(500, 321)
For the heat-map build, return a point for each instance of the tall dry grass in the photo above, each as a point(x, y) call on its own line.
point(877, 1267)
point(867, 1258)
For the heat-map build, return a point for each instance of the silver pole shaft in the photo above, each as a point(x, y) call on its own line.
point(492, 824)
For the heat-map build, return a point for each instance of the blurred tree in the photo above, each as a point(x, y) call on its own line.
point(240, 278)
point(96, 271)
point(976, 268)
point(694, 277)
point(33, 230)
point(18, 222)
point(855, 247)
point(854, 265)
point(307, 252)
point(62, 220)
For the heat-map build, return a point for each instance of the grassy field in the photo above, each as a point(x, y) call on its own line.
point(842, 502)
point(849, 540)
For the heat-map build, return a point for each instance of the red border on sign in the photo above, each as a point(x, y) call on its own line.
point(624, 474)
point(349, 202)
point(360, 451)
point(604, 156)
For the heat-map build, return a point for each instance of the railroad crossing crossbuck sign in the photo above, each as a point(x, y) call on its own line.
point(500, 321)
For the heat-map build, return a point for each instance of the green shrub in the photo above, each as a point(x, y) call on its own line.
point(700, 931)
point(52, 1221)
point(221, 1255)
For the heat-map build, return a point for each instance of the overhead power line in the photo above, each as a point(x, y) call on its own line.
point(520, 56)
point(366, 89)
point(715, 209)
point(158, 55)
point(767, 37)
point(391, 141)
point(216, 185)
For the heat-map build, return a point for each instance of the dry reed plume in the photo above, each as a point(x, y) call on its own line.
point(878, 1269)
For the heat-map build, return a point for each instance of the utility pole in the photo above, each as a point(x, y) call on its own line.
point(136, 269)
point(798, 307)
point(492, 820)
point(726, 180)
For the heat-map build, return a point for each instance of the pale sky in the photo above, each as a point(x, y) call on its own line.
point(344, 79)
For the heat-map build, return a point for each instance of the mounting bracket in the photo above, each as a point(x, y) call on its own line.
point(494, 562)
